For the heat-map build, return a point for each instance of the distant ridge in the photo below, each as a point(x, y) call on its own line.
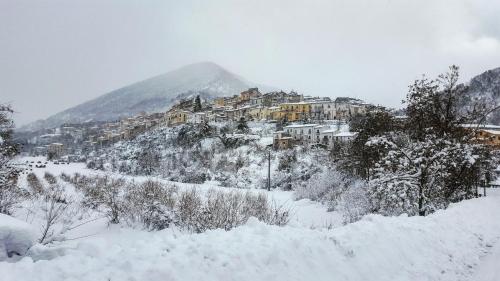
point(152, 95)
point(486, 87)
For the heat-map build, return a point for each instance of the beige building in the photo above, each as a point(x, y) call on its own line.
point(177, 117)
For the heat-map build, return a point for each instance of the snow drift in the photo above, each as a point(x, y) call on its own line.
point(444, 246)
point(16, 237)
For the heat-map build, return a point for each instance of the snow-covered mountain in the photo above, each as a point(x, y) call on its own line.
point(486, 87)
point(152, 95)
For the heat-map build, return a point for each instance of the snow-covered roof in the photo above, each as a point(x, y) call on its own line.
point(346, 134)
point(50, 135)
point(296, 103)
point(482, 126)
point(493, 132)
point(300, 126)
point(266, 141)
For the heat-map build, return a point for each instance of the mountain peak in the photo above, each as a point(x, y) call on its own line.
point(155, 94)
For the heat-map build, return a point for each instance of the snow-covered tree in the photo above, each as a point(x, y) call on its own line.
point(197, 104)
point(242, 126)
point(419, 177)
point(9, 192)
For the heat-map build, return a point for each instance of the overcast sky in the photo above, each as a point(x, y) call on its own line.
point(57, 54)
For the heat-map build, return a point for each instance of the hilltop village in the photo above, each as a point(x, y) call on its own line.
point(300, 120)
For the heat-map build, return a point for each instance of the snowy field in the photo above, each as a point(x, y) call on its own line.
point(305, 212)
point(460, 243)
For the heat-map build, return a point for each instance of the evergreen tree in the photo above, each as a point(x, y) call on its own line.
point(197, 104)
point(360, 158)
point(242, 125)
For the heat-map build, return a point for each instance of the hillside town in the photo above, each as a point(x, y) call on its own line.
point(303, 119)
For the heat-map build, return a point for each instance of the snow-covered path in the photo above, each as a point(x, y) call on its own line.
point(489, 267)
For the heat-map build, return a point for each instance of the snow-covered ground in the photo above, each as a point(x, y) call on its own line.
point(304, 212)
point(460, 243)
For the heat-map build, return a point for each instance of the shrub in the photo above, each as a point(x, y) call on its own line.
point(156, 206)
point(151, 204)
point(34, 184)
point(227, 210)
point(65, 177)
point(55, 209)
point(340, 192)
point(106, 192)
point(188, 210)
point(50, 178)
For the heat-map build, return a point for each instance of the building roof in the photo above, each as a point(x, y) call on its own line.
point(329, 131)
point(482, 126)
point(300, 126)
point(295, 103)
point(346, 134)
point(493, 132)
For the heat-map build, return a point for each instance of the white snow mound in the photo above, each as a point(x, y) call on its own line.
point(16, 237)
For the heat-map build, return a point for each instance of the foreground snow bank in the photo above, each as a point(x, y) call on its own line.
point(16, 237)
point(444, 246)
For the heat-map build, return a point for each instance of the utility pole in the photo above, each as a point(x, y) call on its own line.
point(269, 171)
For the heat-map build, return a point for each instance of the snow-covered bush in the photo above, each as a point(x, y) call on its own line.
point(50, 178)
point(34, 184)
point(354, 202)
point(325, 186)
point(419, 177)
point(65, 177)
point(151, 204)
point(154, 205)
point(339, 191)
point(56, 212)
point(188, 210)
point(226, 210)
point(105, 193)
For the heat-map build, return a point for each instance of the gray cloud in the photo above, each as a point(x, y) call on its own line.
point(56, 54)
